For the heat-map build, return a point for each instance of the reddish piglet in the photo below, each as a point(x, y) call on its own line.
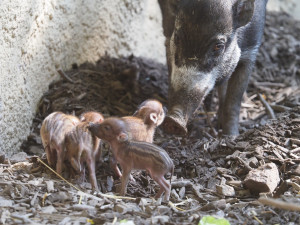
point(142, 125)
point(83, 148)
point(134, 154)
point(54, 128)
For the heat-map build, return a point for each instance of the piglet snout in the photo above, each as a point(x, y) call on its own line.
point(91, 127)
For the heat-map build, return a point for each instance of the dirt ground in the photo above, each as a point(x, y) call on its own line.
point(209, 170)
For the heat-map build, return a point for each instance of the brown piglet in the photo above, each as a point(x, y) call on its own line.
point(142, 125)
point(134, 154)
point(83, 148)
point(54, 128)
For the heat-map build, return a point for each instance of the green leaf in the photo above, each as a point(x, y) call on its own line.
point(127, 222)
point(210, 220)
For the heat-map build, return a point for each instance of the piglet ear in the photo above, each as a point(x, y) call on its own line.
point(122, 137)
point(82, 119)
point(243, 12)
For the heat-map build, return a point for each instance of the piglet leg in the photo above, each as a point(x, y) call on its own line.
point(76, 165)
point(114, 166)
point(50, 154)
point(59, 163)
point(167, 187)
point(164, 187)
point(91, 167)
point(125, 176)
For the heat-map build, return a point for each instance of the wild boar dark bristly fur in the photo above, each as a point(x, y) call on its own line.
point(210, 43)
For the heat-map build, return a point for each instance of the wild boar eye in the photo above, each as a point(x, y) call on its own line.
point(106, 128)
point(218, 47)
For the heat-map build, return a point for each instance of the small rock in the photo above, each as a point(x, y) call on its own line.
point(219, 204)
point(65, 221)
point(48, 209)
point(297, 171)
point(60, 196)
point(143, 203)
point(253, 162)
point(19, 157)
point(5, 203)
point(225, 190)
point(121, 208)
point(160, 219)
point(263, 179)
point(162, 209)
point(50, 186)
point(80, 207)
point(110, 183)
point(182, 192)
point(36, 150)
point(149, 209)
point(175, 195)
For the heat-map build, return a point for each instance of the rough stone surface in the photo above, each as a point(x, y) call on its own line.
point(225, 190)
point(39, 37)
point(263, 179)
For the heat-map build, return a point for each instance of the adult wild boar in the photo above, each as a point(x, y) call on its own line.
point(210, 43)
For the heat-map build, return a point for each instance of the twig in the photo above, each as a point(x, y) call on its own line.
point(258, 220)
point(81, 192)
point(182, 211)
point(267, 106)
point(295, 150)
point(280, 108)
point(198, 194)
point(279, 204)
point(24, 218)
point(181, 183)
point(270, 84)
point(115, 220)
point(295, 141)
point(65, 76)
point(285, 150)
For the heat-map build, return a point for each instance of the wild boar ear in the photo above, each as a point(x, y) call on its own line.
point(122, 137)
point(153, 117)
point(243, 12)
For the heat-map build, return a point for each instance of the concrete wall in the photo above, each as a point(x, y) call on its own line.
point(38, 37)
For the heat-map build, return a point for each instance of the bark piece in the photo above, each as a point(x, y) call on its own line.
point(263, 179)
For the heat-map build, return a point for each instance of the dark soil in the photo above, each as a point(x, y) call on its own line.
point(31, 193)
